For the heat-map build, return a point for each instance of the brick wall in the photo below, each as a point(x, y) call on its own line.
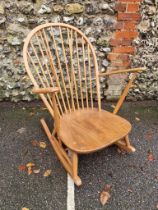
point(128, 16)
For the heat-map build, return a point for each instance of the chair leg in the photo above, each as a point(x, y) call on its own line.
point(71, 166)
point(76, 178)
point(125, 144)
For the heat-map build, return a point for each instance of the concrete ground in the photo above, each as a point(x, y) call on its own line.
point(133, 177)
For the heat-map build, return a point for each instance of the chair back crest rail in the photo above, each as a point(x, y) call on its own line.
point(60, 55)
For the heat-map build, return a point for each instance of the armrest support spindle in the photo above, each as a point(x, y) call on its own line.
point(53, 91)
point(134, 72)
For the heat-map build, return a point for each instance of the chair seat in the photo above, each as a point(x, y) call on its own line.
point(89, 130)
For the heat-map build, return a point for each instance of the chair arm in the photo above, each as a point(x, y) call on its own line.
point(45, 90)
point(134, 70)
point(132, 77)
point(52, 90)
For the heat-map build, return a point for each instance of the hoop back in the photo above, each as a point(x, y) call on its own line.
point(60, 55)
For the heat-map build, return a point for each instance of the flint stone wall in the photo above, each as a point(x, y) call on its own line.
point(96, 19)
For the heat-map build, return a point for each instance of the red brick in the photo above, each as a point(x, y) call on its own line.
point(120, 7)
point(129, 25)
point(114, 56)
point(119, 25)
point(124, 49)
point(119, 63)
point(123, 57)
point(129, 16)
point(126, 34)
point(111, 69)
point(115, 77)
point(131, 1)
point(133, 8)
point(117, 42)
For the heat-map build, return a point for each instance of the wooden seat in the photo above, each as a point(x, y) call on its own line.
point(85, 131)
point(62, 65)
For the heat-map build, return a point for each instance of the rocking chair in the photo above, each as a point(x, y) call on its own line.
point(62, 65)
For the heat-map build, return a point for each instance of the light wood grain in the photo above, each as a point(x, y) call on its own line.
point(70, 166)
point(90, 130)
point(77, 43)
point(125, 145)
point(66, 53)
point(45, 90)
point(134, 70)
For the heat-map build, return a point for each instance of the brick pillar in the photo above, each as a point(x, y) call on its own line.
point(122, 43)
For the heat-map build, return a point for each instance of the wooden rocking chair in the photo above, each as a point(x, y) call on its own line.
point(62, 66)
